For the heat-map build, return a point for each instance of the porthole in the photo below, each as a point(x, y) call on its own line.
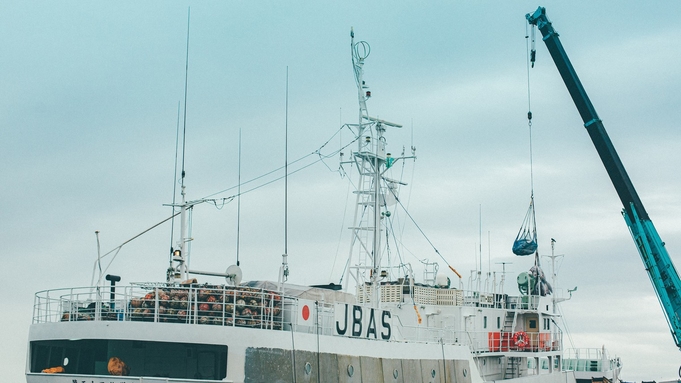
point(465, 372)
point(396, 373)
point(432, 373)
point(351, 370)
point(66, 362)
point(308, 368)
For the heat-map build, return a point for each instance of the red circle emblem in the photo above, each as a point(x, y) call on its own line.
point(306, 312)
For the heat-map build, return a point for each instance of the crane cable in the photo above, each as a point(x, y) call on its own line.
point(530, 42)
point(533, 54)
point(532, 57)
point(526, 241)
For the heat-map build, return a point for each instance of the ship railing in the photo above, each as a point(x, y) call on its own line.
point(587, 359)
point(498, 300)
point(431, 295)
point(523, 302)
point(211, 305)
point(424, 334)
point(499, 341)
point(583, 353)
point(216, 305)
point(244, 307)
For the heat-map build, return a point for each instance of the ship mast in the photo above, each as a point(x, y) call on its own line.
point(180, 253)
point(371, 161)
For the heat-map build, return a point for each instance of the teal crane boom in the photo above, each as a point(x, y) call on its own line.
point(655, 258)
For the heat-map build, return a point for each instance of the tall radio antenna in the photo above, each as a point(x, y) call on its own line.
point(283, 274)
point(184, 123)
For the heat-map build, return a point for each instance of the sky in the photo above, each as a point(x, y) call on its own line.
point(89, 97)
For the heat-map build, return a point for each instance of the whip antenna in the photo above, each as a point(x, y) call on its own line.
point(184, 123)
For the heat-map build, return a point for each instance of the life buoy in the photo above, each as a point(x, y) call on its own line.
point(520, 339)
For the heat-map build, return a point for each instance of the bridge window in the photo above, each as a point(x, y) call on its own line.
point(155, 359)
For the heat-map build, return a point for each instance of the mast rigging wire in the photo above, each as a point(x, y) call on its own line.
point(318, 152)
point(342, 230)
point(422, 232)
point(229, 198)
point(118, 248)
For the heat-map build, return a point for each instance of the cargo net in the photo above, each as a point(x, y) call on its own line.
point(526, 241)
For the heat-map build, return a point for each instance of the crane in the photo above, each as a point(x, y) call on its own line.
point(656, 260)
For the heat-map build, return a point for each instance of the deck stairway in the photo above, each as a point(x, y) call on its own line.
point(509, 321)
point(512, 367)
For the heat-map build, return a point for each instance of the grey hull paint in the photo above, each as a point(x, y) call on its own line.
point(270, 365)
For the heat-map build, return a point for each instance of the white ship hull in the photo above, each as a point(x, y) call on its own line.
point(347, 345)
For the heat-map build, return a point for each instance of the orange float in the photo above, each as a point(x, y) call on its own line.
point(520, 339)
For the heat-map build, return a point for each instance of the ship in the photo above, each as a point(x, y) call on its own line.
point(383, 324)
